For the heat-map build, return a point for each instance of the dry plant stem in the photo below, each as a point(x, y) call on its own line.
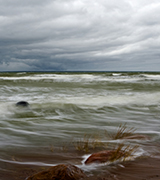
point(122, 132)
point(87, 143)
point(52, 148)
point(123, 152)
point(82, 144)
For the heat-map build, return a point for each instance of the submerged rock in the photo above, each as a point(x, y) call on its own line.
point(101, 157)
point(22, 104)
point(59, 172)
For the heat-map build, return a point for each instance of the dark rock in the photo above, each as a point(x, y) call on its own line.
point(59, 172)
point(22, 104)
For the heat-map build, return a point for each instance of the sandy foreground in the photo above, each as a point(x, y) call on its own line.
point(140, 169)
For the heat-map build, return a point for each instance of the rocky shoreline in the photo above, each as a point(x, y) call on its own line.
point(142, 168)
point(111, 164)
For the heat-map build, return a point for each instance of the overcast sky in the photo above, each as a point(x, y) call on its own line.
point(79, 35)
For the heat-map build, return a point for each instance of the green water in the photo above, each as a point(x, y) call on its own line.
point(65, 106)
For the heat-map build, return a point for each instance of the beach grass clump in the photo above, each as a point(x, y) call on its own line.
point(87, 143)
point(123, 152)
point(122, 132)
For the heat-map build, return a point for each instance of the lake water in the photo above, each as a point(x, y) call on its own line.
point(64, 107)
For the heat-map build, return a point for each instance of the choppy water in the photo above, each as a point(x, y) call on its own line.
point(64, 106)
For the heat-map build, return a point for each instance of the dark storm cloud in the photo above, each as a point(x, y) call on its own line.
point(79, 35)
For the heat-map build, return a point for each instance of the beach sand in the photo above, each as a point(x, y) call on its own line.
point(142, 168)
point(147, 168)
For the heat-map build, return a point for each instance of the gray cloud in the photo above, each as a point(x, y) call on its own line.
point(79, 35)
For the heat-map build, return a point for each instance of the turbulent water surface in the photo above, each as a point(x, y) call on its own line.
point(65, 106)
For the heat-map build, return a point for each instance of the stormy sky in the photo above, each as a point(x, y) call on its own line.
point(79, 35)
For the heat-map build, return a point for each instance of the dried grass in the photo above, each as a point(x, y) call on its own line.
point(87, 142)
point(123, 152)
point(119, 151)
point(122, 132)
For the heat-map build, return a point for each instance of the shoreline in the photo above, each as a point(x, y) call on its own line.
point(142, 168)
point(139, 169)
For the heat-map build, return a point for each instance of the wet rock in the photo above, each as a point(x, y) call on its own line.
point(22, 104)
point(100, 157)
point(59, 172)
